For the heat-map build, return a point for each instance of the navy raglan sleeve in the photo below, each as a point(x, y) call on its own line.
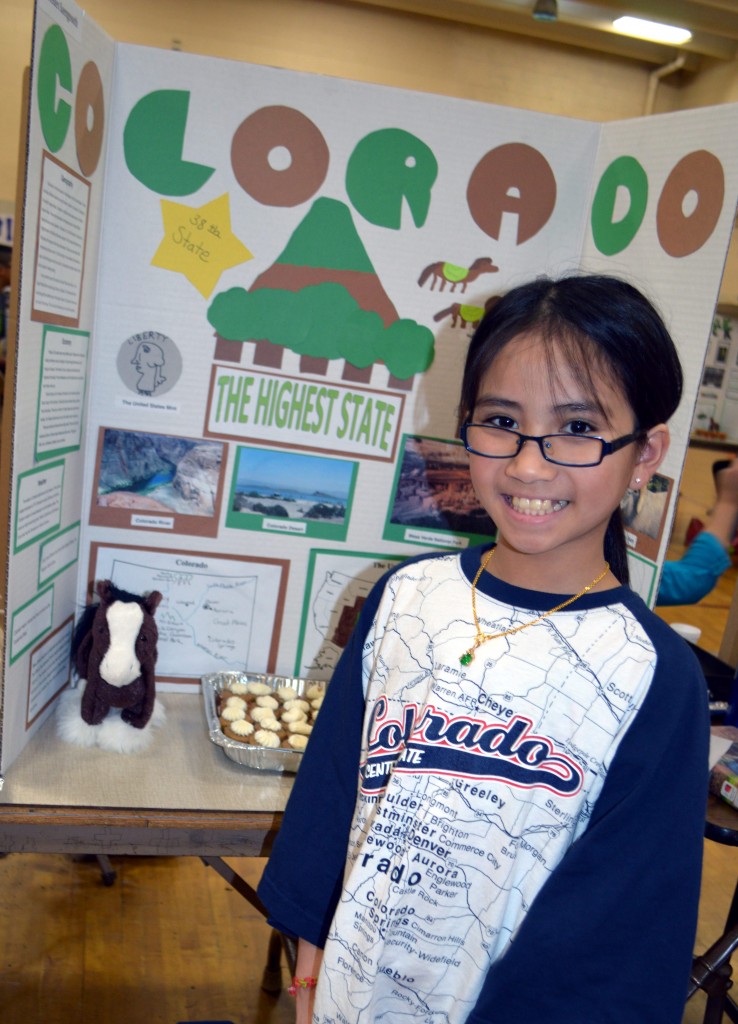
point(609, 939)
point(301, 883)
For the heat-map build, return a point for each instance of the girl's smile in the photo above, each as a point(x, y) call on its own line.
point(536, 506)
point(552, 518)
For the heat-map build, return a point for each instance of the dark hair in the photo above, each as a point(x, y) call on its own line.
point(600, 323)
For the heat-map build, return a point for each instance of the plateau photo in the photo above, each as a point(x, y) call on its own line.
point(290, 492)
point(157, 481)
point(433, 501)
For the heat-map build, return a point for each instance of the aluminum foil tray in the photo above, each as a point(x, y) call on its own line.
point(263, 758)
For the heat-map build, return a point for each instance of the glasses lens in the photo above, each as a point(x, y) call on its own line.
point(495, 442)
point(573, 449)
point(498, 443)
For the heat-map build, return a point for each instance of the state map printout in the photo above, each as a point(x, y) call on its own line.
point(215, 615)
point(339, 583)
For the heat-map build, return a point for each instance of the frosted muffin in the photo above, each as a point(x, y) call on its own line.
point(258, 689)
point(235, 701)
point(265, 738)
point(240, 730)
point(286, 693)
point(299, 703)
point(232, 713)
point(294, 715)
point(299, 728)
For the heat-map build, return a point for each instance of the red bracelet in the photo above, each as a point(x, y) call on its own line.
point(301, 983)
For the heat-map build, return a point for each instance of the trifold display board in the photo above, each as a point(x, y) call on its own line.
point(246, 294)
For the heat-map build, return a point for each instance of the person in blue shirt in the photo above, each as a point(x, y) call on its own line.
point(688, 579)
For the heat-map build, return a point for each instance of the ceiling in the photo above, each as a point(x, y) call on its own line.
point(587, 24)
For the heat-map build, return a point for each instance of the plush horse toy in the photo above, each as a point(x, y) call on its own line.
point(114, 654)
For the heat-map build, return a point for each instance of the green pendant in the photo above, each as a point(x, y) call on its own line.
point(467, 658)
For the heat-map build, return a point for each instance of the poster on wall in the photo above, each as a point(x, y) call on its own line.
point(716, 412)
point(7, 218)
point(241, 339)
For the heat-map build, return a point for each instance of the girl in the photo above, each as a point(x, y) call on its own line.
point(499, 815)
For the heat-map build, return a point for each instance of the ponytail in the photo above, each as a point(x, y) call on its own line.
point(616, 550)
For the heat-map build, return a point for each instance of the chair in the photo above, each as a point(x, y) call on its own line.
point(712, 971)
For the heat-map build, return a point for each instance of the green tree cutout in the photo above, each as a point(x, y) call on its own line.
point(325, 321)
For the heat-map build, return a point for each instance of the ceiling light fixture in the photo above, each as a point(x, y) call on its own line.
point(546, 10)
point(652, 30)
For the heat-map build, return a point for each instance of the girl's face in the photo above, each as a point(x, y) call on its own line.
point(552, 519)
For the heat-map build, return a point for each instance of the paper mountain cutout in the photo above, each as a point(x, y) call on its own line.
point(323, 299)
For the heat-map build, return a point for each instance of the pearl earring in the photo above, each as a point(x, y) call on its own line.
point(637, 479)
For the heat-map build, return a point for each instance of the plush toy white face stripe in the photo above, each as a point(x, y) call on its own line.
point(120, 665)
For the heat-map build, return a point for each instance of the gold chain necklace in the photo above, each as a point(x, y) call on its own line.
point(481, 638)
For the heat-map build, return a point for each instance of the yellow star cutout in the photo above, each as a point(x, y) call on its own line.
point(198, 242)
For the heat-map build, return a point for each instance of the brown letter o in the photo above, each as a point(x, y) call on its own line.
point(262, 132)
point(701, 172)
point(89, 140)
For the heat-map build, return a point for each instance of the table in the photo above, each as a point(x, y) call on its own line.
point(182, 796)
point(715, 444)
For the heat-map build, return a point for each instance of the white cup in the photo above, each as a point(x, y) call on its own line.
point(691, 633)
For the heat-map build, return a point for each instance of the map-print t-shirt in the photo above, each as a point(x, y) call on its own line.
point(473, 782)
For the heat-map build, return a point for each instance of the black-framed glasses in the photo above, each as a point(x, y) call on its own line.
point(562, 449)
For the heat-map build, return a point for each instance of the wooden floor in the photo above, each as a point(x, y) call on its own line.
point(171, 942)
